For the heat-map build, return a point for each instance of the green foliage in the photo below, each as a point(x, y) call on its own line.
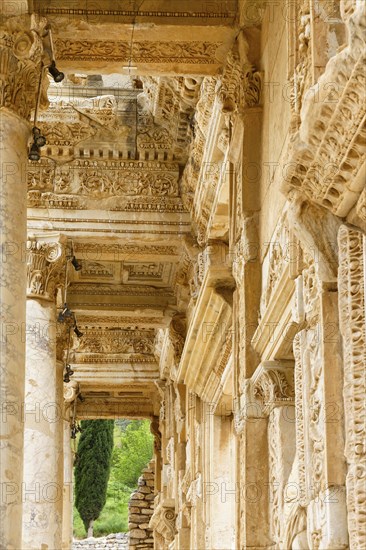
point(132, 452)
point(113, 518)
point(133, 447)
point(92, 468)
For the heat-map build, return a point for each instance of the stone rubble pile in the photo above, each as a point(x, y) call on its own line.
point(141, 508)
point(117, 541)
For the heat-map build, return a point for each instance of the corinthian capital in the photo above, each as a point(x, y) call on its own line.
point(21, 52)
point(45, 266)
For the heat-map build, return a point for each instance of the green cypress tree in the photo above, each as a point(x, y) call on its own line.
point(92, 469)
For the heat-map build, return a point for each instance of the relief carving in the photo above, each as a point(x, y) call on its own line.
point(142, 52)
point(21, 51)
point(45, 268)
point(272, 385)
point(352, 269)
point(328, 154)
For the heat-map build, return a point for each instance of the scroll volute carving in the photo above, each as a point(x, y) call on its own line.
point(272, 385)
point(45, 268)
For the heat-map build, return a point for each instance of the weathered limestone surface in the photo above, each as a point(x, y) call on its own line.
point(140, 508)
point(20, 58)
point(118, 541)
point(43, 411)
point(206, 175)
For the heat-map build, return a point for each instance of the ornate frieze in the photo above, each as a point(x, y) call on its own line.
point(114, 342)
point(141, 52)
point(300, 404)
point(352, 274)
point(118, 251)
point(45, 267)
point(300, 52)
point(207, 11)
point(133, 185)
point(100, 179)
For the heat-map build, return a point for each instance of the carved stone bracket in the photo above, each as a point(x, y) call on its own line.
point(272, 385)
point(163, 522)
point(45, 266)
point(240, 86)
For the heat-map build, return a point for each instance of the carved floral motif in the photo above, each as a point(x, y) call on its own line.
point(115, 341)
point(142, 52)
point(21, 50)
point(272, 387)
point(352, 273)
point(96, 179)
point(44, 268)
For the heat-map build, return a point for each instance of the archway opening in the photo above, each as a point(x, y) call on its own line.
point(131, 473)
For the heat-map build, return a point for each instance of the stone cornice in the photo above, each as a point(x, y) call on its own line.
point(327, 161)
point(210, 328)
point(239, 87)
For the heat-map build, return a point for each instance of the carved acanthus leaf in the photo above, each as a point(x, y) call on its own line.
point(163, 522)
point(21, 50)
point(45, 268)
point(273, 387)
point(142, 52)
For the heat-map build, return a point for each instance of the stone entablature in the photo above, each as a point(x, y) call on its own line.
point(328, 157)
point(200, 284)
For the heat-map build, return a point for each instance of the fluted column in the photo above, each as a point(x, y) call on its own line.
point(43, 408)
point(20, 58)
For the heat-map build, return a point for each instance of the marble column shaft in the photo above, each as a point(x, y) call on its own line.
point(43, 434)
point(13, 201)
point(21, 51)
point(67, 512)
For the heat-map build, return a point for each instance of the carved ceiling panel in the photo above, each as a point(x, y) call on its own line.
point(126, 273)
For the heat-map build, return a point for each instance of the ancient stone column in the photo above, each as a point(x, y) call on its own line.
point(67, 488)
point(43, 407)
point(20, 58)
